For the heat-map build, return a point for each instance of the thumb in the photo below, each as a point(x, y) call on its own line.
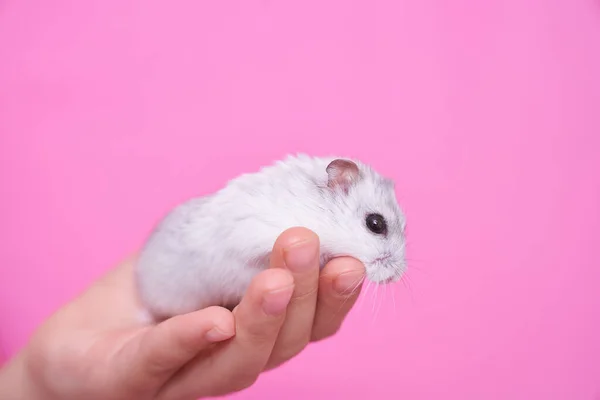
point(165, 348)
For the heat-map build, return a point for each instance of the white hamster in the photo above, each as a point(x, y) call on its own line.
point(206, 250)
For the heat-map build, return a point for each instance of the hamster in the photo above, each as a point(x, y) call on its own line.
point(206, 250)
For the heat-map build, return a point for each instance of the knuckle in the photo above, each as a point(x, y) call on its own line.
point(231, 382)
point(290, 352)
point(242, 380)
point(286, 351)
point(325, 332)
point(260, 334)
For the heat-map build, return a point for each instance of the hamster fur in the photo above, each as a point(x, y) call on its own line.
point(206, 250)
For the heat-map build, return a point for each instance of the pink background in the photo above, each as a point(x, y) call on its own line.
point(486, 113)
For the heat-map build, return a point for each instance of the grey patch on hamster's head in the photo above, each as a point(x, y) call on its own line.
point(373, 225)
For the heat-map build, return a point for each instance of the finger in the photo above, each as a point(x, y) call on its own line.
point(236, 364)
point(161, 350)
point(339, 287)
point(297, 250)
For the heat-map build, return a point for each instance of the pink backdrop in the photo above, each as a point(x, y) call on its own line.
point(487, 114)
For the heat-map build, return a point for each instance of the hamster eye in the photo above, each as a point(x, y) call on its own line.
point(376, 224)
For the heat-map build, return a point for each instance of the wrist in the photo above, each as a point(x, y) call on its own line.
point(16, 383)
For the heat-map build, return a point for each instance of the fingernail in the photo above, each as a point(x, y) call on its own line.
point(217, 335)
point(275, 303)
point(347, 282)
point(301, 256)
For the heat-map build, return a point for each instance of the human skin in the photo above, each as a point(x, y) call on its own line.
point(95, 347)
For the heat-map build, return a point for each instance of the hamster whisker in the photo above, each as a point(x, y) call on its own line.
point(377, 304)
point(364, 294)
point(353, 290)
point(376, 296)
point(382, 300)
point(372, 299)
point(394, 303)
point(357, 287)
point(416, 267)
point(407, 284)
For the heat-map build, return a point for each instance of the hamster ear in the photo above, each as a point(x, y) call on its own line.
point(342, 174)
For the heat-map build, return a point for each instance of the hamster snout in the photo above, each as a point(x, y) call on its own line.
point(387, 267)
